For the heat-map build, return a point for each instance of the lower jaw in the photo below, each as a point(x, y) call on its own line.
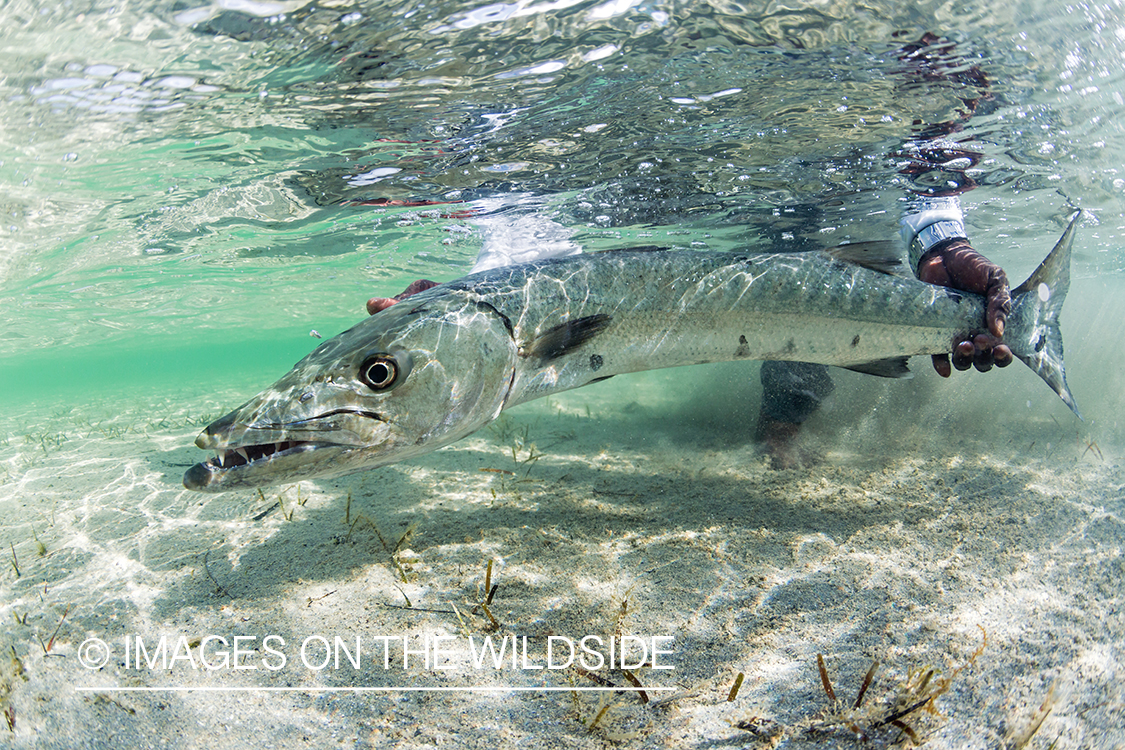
point(291, 466)
point(207, 477)
point(199, 478)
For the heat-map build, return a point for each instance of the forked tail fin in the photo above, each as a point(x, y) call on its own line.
point(1033, 326)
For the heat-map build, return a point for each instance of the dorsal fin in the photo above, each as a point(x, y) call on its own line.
point(878, 255)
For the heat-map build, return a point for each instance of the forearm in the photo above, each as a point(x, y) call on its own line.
point(937, 169)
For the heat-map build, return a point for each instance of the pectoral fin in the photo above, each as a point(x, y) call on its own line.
point(565, 337)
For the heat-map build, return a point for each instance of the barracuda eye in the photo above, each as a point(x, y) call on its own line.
point(378, 373)
point(381, 372)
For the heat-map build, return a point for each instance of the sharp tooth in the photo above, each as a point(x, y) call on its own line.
point(277, 448)
point(219, 458)
point(242, 452)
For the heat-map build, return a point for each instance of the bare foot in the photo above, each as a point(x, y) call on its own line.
point(779, 442)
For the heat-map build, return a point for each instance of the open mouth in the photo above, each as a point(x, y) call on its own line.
point(252, 465)
point(261, 464)
point(248, 454)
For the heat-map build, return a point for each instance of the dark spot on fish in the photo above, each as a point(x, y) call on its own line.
point(855, 341)
point(791, 346)
point(743, 349)
point(566, 337)
point(596, 362)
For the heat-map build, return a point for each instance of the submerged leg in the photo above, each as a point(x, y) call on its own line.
point(791, 393)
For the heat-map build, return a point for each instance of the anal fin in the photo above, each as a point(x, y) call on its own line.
point(895, 367)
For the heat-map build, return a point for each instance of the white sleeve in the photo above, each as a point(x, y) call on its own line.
point(928, 221)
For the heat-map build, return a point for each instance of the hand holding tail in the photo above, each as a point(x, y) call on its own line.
point(955, 264)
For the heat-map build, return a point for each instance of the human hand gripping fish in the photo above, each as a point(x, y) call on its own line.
point(955, 264)
point(423, 374)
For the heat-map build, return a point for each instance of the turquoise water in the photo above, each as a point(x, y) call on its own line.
point(180, 181)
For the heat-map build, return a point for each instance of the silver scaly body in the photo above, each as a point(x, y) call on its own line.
point(441, 364)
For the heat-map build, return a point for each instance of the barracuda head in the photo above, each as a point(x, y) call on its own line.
point(405, 381)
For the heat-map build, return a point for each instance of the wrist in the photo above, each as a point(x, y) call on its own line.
point(929, 221)
point(935, 238)
point(932, 235)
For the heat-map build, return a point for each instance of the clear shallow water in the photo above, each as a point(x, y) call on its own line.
point(188, 188)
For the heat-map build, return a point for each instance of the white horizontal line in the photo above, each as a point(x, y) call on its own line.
point(366, 689)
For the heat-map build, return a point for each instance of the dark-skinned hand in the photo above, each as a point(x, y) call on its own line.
point(955, 264)
point(375, 304)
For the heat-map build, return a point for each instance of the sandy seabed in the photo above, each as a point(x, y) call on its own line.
point(983, 577)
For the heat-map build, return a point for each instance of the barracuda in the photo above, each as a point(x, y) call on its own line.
point(445, 362)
